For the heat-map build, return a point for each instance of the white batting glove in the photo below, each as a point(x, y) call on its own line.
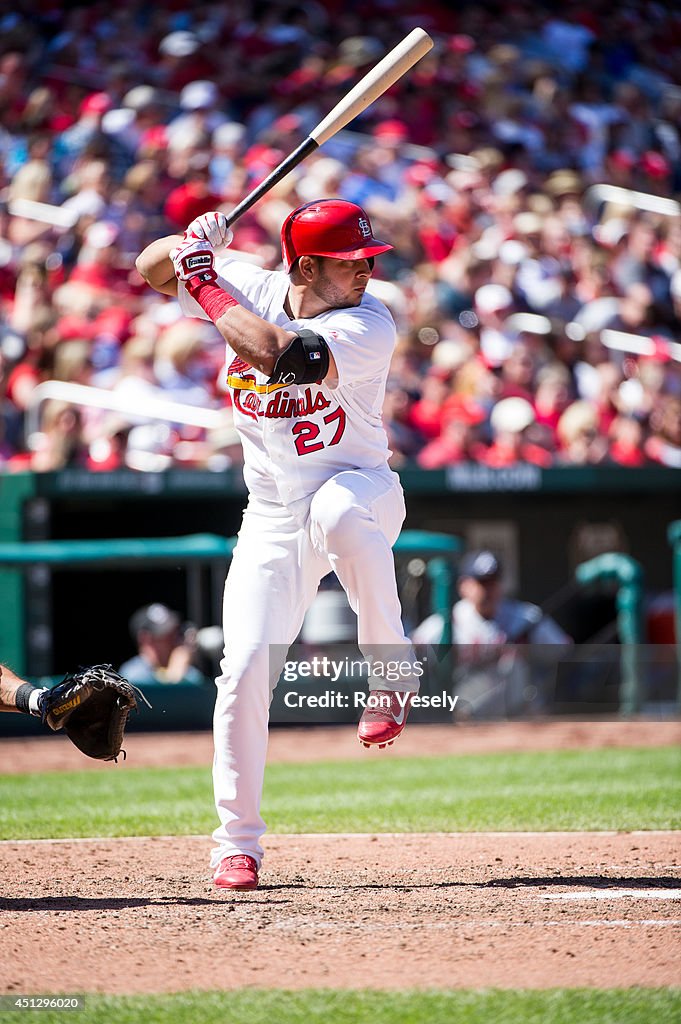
point(213, 228)
point(194, 262)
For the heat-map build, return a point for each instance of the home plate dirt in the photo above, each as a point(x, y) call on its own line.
point(382, 911)
point(378, 911)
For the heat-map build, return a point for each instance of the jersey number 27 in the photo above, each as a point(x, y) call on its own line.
point(306, 432)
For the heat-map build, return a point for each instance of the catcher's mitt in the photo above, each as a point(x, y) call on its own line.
point(92, 706)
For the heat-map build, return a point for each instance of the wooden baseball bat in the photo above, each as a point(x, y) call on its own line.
point(374, 84)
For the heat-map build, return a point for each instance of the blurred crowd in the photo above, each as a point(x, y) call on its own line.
point(538, 321)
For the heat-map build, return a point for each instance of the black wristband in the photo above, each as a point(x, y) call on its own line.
point(22, 697)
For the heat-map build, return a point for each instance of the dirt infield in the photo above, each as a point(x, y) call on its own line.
point(382, 911)
point(54, 752)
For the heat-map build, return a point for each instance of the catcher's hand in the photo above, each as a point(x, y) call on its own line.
point(92, 707)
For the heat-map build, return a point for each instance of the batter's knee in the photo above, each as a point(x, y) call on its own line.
point(338, 525)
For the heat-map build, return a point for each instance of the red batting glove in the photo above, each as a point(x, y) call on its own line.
point(194, 263)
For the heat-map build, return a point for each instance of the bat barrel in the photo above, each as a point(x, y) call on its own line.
point(388, 71)
point(373, 85)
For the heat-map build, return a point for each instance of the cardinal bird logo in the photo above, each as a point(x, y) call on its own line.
point(238, 366)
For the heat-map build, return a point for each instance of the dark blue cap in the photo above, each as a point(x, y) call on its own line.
point(481, 565)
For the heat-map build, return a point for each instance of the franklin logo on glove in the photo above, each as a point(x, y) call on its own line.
point(202, 259)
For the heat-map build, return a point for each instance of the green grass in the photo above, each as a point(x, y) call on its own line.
point(273, 1006)
point(563, 790)
point(620, 789)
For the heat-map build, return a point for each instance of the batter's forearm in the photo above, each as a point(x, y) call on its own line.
point(156, 267)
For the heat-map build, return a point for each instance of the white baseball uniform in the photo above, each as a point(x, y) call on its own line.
point(321, 497)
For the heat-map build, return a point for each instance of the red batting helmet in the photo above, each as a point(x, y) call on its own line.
point(329, 227)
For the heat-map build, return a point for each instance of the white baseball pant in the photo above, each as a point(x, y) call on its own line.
point(350, 526)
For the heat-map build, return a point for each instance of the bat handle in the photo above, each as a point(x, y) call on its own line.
point(299, 154)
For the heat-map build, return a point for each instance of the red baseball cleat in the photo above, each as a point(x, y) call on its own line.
point(382, 723)
point(237, 872)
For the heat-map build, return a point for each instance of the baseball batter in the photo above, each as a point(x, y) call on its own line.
point(308, 351)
